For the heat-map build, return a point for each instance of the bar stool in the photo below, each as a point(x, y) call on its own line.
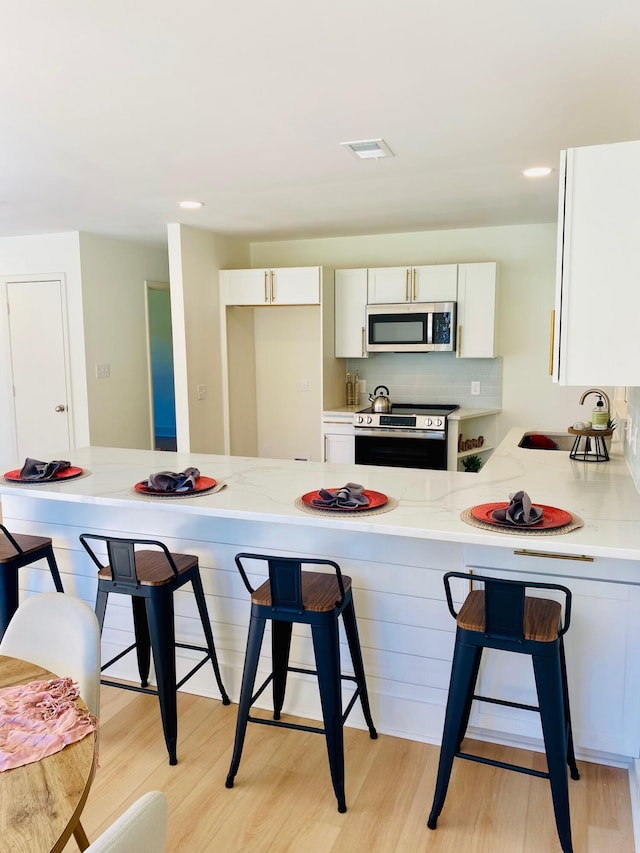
point(150, 577)
point(17, 550)
point(311, 598)
point(502, 617)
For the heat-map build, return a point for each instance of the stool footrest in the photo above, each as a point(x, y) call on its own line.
point(282, 725)
point(153, 692)
point(518, 768)
point(507, 704)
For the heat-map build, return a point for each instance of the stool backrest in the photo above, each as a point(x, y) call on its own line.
point(285, 578)
point(504, 604)
point(122, 557)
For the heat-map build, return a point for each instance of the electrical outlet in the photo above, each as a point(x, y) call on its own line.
point(362, 387)
point(103, 371)
point(475, 389)
point(304, 384)
point(201, 392)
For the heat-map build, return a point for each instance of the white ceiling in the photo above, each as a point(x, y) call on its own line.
point(112, 112)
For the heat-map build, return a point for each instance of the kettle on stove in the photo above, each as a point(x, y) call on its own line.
point(380, 403)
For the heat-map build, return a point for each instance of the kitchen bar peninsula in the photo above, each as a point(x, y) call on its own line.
point(396, 560)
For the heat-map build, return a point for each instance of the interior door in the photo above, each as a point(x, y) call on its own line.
point(38, 363)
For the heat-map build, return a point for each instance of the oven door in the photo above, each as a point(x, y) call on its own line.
point(401, 449)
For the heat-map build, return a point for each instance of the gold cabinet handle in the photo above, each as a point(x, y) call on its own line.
point(406, 286)
point(364, 345)
point(552, 341)
point(325, 448)
point(414, 285)
point(581, 557)
point(266, 291)
point(459, 341)
point(273, 286)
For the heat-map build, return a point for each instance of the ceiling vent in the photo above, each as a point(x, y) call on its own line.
point(368, 149)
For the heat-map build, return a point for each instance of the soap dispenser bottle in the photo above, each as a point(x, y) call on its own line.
point(600, 415)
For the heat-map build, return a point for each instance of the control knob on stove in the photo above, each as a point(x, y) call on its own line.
point(428, 422)
point(359, 419)
point(369, 419)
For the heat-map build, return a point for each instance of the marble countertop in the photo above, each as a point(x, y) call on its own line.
point(429, 502)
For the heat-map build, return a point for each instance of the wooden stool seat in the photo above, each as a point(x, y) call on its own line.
point(541, 616)
point(18, 550)
point(150, 576)
point(320, 592)
point(501, 616)
point(317, 599)
point(153, 568)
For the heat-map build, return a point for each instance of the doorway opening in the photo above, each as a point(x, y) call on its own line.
point(161, 381)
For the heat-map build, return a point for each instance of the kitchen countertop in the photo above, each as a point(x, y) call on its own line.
point(429, 502)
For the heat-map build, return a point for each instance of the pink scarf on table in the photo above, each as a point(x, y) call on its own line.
point(40, 718)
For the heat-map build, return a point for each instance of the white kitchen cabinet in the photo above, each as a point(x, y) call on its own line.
point(476, 318)
point(595, 329)
point(350, 308)
point(433, 283)
point(339, 444)
point(286, 286)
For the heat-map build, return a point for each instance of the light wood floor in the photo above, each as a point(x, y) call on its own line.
point(283, 799)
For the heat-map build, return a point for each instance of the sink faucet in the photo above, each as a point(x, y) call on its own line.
point(596, 391)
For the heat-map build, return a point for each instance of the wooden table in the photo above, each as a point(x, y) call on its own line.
point(41, 803)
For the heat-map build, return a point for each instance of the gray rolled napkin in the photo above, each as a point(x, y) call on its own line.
point(168, 481)
point(34, 469)
point(520, 511)
point(350, 496)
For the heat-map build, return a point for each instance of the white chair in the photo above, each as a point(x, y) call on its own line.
point(142, 827)
point(60, 633)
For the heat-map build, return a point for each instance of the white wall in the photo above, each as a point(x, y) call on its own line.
point(195, 259)
point(57, 255)
point(113, 292)
point(526, 268)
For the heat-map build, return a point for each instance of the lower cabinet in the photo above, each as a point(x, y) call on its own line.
point(601, 647)
point(338, 442)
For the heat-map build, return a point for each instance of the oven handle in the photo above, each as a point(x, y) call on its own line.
point(381, 432)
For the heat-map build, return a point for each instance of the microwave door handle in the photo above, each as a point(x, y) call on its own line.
point(430, 328)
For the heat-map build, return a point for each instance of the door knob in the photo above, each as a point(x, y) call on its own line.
point(61, 408)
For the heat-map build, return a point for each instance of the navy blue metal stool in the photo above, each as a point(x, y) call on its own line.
point(317, 599)
point(150, 577)
point(18, 550)
point(501, 616)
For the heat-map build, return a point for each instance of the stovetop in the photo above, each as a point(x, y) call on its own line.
point(425, 418)
point(415, 408)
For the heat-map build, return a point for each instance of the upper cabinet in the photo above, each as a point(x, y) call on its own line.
point(287, 286)
point(477, 310)
point(433, 283)
point(351, 304)
point(598, 267)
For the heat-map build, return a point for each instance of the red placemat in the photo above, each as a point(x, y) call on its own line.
point(376, 500)
point(67, 474)
point(552, 517)
point(202, 486)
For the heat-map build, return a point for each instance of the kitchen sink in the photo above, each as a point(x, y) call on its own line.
point(547, 441)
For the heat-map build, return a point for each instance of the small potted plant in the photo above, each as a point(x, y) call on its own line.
point(472, 463)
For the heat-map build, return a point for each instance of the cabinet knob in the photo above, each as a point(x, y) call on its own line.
point(61, 408)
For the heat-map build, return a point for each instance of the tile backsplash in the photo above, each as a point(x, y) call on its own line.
point(633, 411)
point(435, 377)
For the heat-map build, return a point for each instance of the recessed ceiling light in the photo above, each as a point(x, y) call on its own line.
point(191, 205)
point(368, 149)
point(537, 172)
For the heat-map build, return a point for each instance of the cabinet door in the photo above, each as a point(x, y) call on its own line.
point(245, 287)
point(350, 307)
point(339, 448)
point(435, 283)
point(598, 298)
point(477, 310)
point(295, 286)
point(388, 285)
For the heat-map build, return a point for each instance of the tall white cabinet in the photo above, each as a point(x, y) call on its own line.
point(595, 330)
point(279, 368)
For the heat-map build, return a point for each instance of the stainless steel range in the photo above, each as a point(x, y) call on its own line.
point(410, 436)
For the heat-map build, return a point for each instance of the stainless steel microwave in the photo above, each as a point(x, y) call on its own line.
point(411, 327)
